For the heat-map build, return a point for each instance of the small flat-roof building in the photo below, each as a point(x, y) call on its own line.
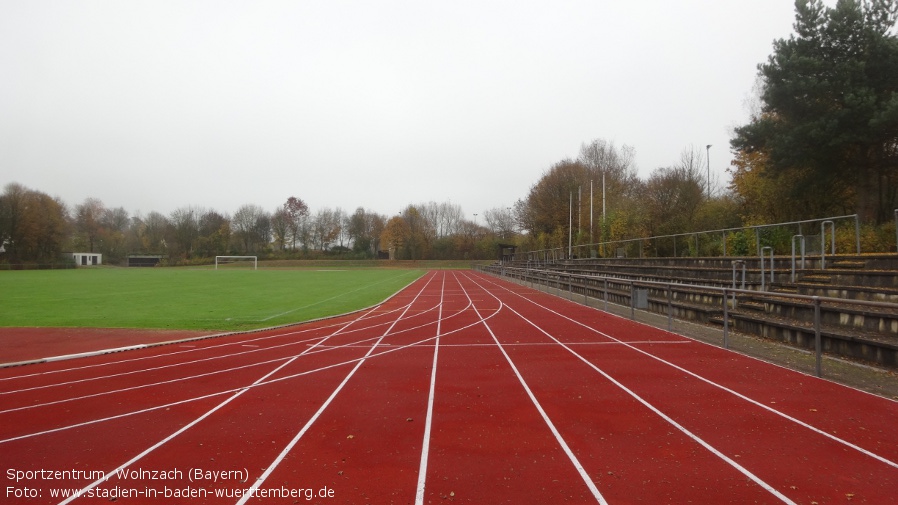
point(83, 259)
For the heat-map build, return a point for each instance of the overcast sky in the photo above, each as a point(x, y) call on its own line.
point(156, 105)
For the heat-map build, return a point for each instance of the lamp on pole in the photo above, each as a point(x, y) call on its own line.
point(708, 157)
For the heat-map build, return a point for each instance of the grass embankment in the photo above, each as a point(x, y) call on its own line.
point(194, 299)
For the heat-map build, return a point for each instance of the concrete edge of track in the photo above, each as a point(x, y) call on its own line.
point(100, 352)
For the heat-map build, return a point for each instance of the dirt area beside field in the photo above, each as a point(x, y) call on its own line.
point(27, 344)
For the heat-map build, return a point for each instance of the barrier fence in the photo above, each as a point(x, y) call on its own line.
point(637, 247)
point(604, 288)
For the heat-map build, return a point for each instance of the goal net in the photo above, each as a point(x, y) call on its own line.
point(237, 262)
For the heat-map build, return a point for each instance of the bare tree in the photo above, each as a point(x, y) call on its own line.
point(88, 216)
point(501, 222)
point(251, 227)
point(298, 212)
point(281, 226)
point(325, 228)
point(185, 230)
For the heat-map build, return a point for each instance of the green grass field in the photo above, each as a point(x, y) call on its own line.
point(195, 299)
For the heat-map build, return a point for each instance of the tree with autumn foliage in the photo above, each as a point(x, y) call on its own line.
point(33, 226)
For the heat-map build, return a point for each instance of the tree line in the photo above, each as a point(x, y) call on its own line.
point(822, 140)
point(37, 228)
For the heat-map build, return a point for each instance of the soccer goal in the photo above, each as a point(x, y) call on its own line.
point(237, 262)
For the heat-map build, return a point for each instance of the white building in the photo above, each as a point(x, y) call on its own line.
point(87, 259)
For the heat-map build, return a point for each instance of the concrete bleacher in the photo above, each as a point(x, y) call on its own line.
point(690, 288)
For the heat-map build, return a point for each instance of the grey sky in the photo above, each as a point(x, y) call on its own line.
point(155, 105)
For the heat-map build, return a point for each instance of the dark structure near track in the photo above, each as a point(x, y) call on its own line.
point(858, 306)
point(144, 260)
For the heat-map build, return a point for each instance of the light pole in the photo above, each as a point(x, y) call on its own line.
point(708, 157)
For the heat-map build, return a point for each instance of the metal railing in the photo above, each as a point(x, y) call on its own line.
point(596, 286)
point(558, 253)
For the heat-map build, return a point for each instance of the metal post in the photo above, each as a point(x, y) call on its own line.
point(605, 294)
point(763, 285)
point(818, 344)
point(738, 262)
point(832, 229)
point(708, 150)
point(726, 321)
point(669, 307)
point(801, 237)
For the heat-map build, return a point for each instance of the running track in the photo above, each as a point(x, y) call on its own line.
point(460, 388)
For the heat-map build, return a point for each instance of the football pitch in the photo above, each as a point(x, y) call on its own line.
point(189, 299)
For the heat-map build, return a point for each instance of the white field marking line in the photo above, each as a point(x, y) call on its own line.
point(286, 450)
point(369, 314)
point(428, 420)
point(189, 362)
point(560, 439)
point(334, 297)
point(654, 409)
point(162, 367)
point(723, 388)
point(523, 344)
point(184, 428)
point(196, 376)
point(144, 386)
point(670, 420)
point(223, 356)
point(210, 347)
point(265, 383)
point(219, 393)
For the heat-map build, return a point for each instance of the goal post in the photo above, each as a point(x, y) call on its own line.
point(231, 260)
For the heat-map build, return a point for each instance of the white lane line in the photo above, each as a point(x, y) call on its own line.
point(722, 387)
point(162, 442)
point(368, 313)
point(184, 428)
point(319, 302)
point(143, 386)
point(289, 447)
point(741, 469)
point(265, 383)
point(428, 420)
point(322, 348)
point(558, 437)
point(162, 367)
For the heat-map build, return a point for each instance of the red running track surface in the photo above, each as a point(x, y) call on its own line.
point(461, 388)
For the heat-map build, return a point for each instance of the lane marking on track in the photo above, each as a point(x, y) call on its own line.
point(757, 480)
point(265, 383)
point(186, 427)
point(522, 344)
point(286, 450)
point(558, 437)
point(367, 313)
point(317, 341)
point(161, 367)
point(179, 379)
point(319, 302)
point(739, 395)
point(428, 420)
